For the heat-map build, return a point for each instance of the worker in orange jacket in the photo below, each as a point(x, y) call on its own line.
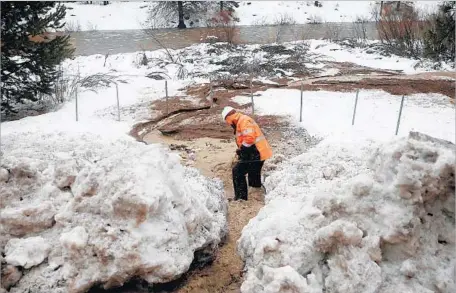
point(253, 150)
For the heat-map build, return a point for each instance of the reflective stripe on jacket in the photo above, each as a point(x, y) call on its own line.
point(248, 133)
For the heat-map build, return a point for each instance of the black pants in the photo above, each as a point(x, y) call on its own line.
point(253, 169)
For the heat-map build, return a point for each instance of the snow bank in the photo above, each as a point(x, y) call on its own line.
point(383, 223)
point(80, 210)
point(134, 14)
point(115, 16)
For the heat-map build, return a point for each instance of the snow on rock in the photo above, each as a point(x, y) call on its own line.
point(26, 252)
point(102, 210)
point(385, 223)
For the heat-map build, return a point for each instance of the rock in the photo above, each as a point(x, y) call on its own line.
point(10, 276)
point(26, 252)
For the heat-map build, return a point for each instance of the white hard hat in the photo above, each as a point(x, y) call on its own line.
point(225, 111)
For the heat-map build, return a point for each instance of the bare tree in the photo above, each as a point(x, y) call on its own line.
point(283, 22)
point(401, 29)
point(332, 31)
point(225, 24)
point(360, 30)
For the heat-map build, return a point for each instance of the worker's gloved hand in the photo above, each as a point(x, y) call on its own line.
point(245, 153)
point(250, 153)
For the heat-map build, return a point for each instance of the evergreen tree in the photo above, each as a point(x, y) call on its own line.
point(440, 39)
point(29, 58)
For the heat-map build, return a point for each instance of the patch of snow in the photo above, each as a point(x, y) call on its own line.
point(329, 72)
point(26, 252)
point(361, 56)
point(122, 15)
point(75, 239)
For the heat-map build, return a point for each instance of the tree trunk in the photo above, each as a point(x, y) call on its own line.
point(180, 9)
point(221, 6)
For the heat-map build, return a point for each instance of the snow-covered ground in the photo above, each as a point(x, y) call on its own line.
point(365, 57)
point(329, 114)
point(201, 61)
point(132, 15)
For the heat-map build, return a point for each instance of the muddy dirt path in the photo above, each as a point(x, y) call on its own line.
point(213, 158)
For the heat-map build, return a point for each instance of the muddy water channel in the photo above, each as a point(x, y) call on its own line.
point(127, 41)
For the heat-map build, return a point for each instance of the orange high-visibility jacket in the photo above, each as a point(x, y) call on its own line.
point(248, 133)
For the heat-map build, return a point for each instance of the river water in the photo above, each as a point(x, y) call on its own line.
point(127, 41)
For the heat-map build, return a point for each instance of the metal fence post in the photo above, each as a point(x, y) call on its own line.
point(211, 93)
point(166, 93)
point(76, 93)
point(118, 104)
point(300, 107)
point(400, 114)
point(76, 98)
point(354, 110)
point(251, 96)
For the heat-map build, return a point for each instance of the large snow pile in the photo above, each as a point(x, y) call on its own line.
point(79, 210)
point(357, 218)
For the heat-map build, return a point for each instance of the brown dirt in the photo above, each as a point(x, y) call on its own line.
point(201, 117)
point(395, 86)
point(213, 158)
